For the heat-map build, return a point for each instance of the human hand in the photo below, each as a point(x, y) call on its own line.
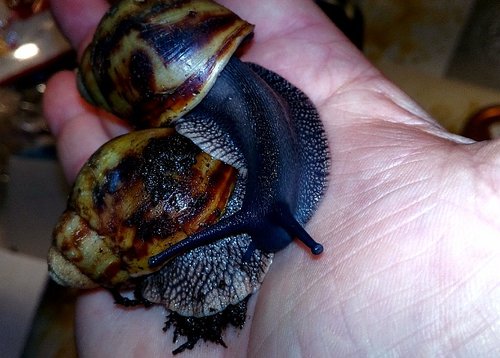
point(410, 221)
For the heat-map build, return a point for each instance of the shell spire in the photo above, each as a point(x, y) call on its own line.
point(166, 57)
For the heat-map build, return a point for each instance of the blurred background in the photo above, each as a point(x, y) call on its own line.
point(444, 54)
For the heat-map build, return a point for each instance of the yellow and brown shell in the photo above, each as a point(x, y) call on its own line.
point(138, 194)
point(166, 55)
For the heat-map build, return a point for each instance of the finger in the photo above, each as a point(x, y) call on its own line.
point(62, 101)
point(295, 39)
point(78, 19)
point(78, 127)
point(78, 130)
point(274, 16)
point(78, 139)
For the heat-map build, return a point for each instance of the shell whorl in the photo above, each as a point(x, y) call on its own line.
point(137, 195)
point(166, 57)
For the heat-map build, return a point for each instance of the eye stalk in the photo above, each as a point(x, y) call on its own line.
point(239, 224)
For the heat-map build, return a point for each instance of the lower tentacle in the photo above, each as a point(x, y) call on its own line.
point(233, 225)
point(279, 222)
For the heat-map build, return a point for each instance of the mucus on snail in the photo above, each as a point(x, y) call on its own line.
point(250, 143)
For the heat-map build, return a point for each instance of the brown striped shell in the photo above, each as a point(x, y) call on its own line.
point(166, 56)
point(136, 195)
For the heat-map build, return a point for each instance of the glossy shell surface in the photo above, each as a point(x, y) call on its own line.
point(166, 56)
point(137, 195)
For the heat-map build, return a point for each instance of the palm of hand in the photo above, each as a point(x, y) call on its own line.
point(408, 222)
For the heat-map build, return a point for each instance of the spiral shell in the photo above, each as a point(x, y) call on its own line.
point(137, 195)
point(166, 55)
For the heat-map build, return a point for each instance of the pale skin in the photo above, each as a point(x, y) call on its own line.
point(410, 222)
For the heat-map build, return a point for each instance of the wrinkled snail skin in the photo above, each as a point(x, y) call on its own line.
point(258, 119)
point(209, 278)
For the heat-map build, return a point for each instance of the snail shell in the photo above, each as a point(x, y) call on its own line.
point(138, 194)
point(153, 61)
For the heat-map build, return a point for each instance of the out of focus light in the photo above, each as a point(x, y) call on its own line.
point(26, 51)
point(41, 87)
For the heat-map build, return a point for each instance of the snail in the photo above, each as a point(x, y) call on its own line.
point(248, 145)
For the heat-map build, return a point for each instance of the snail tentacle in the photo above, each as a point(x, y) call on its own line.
point(224, 228)
point(285, 218)
point(244, 222)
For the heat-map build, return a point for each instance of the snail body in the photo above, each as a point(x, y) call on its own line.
point(275, 153)
point(261, 159)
